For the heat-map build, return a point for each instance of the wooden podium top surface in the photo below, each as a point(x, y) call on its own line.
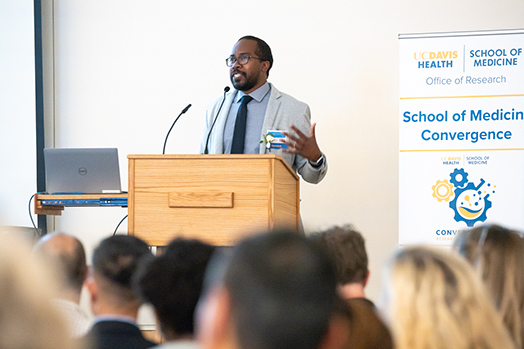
point(215, 157)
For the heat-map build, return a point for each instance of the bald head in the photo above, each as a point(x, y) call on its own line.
point(69, 254)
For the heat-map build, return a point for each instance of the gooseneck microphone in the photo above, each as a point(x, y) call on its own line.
point(226, 90)
point(179, 115)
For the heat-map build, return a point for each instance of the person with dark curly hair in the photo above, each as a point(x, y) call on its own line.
point(172, 283)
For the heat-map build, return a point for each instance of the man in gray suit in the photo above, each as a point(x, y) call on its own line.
point(255, 107)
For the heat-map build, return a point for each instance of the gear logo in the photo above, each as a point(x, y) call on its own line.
point(471, 202)
point(443, 190)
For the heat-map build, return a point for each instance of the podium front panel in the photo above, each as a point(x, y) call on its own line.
point(218, 199)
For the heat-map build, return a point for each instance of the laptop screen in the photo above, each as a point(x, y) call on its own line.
point(82, 170)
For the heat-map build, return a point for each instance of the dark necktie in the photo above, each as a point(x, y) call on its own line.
point(239, 135)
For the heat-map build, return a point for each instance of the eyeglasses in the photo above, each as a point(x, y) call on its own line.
point(242, 59)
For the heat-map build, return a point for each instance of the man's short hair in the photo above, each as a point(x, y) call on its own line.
point(347, 248)
point(68, 253)
point(282, 288)
point(172, 283)
point(116, 260)
point(263, 50)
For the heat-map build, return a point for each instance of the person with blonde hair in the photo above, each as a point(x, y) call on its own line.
point(27, 316)
point(434, 299)
point(497, 254)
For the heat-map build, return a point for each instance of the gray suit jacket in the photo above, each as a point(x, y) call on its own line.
point(282, 111)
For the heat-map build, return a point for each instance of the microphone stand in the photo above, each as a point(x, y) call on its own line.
point(179, 115)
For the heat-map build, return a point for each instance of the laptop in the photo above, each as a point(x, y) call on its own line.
point(82, 171)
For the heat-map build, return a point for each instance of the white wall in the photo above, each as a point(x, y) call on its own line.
point(17, 112)
point(124, 69)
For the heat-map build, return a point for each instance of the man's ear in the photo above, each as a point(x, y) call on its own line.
point(92, 287)
point(223, 311)
point(367, 278)
point(214, 318)
point(265, 66)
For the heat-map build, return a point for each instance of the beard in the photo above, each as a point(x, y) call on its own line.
point(245, 83)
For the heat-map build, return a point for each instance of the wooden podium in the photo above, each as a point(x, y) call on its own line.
point(215, 198)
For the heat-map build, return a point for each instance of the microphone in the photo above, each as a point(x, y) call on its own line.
point(226, 90)
point(179, 115)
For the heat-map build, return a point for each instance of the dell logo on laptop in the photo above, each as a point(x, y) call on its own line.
point(82, 171)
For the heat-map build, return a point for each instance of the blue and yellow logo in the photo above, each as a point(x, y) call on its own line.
point(470, 202)
point(435, 59)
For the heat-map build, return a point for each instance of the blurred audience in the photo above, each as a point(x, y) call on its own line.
point(172, 284)
point(66, 255)
point(27, 317)
point(113, 301)
point(497, 254)
point(274, 290)
point(347, 248)
point(433, 299)
point(270, 291)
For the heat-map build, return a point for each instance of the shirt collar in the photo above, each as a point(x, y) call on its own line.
point(115, 317)
point(257, 95)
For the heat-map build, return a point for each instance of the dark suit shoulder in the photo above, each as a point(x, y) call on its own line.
point(117, 335)
point(367, 329)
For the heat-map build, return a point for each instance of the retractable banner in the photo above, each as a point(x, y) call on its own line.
point(461, 133)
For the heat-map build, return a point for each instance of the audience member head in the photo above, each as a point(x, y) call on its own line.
point(172, 284)
point(67, 254)
point(347, 248)
point(27, 317)
point(275, 290)
point(348, 251)
point(115, 261)
point(497, 254)
point(433, 299)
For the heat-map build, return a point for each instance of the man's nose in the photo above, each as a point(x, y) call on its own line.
point(236, 65)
